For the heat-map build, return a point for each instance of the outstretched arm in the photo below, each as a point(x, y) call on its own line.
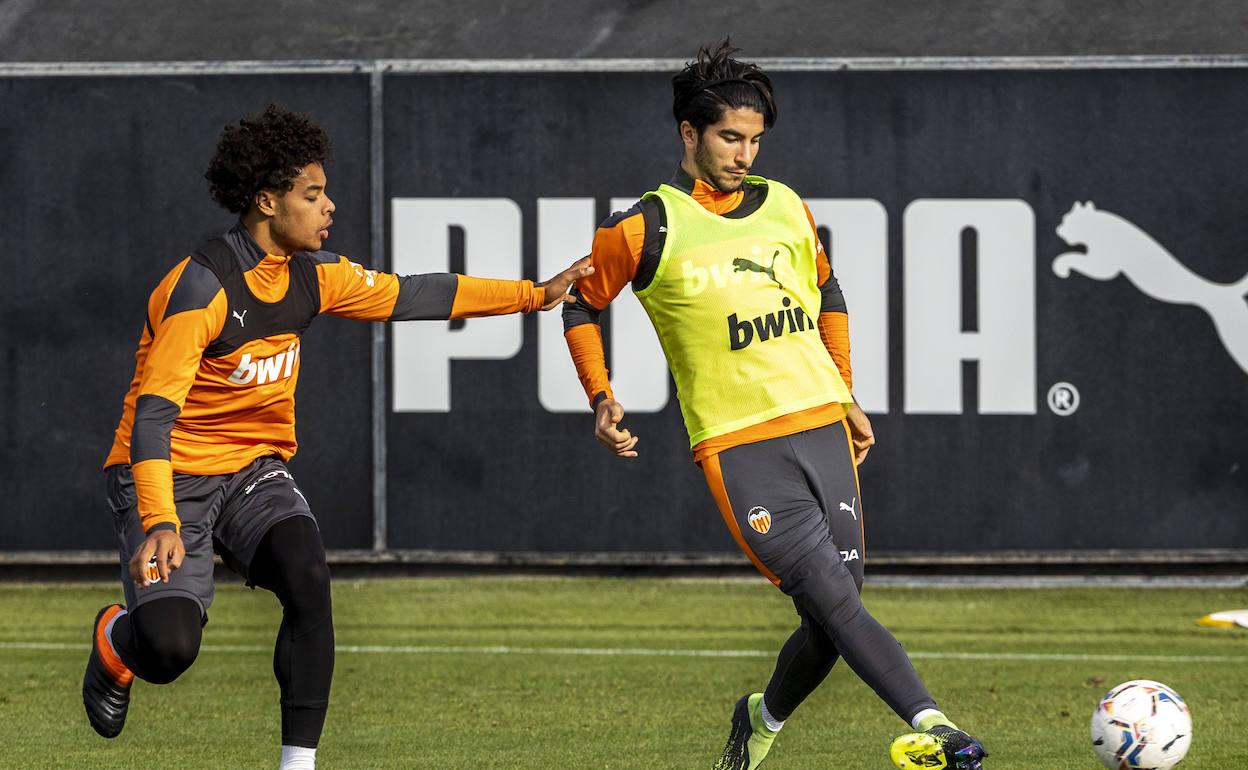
point(351, 291)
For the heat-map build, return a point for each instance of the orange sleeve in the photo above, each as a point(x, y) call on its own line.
point(823, 266)
point(153, 489)
point(834, 330)
point(585, 345)
point(615, 255)
point(349, 290)
point(169, 371)
point(177, 347)
point(476, 297)
point(833, 326)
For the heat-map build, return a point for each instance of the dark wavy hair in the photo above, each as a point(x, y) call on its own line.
point(714, 82)
point(263, 152)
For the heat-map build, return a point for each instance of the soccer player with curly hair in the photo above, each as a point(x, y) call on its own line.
point(754, 325)
point(199, 458)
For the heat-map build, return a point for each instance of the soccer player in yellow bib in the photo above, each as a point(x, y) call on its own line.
point(730, 269)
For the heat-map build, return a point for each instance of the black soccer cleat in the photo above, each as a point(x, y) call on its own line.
point(106, 682)
point(749, 740)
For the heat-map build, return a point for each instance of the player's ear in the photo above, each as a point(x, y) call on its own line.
point(266, 202)
point(688, 134)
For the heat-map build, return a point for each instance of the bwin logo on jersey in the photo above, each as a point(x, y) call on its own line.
point(1116, 247)
point(769, 326)
point(266, 370)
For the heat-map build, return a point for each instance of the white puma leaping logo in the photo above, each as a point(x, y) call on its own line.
point(239, 317)
point(1116, 246)
point(850, 508)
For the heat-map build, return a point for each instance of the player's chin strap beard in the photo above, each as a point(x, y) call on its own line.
point(740, 183)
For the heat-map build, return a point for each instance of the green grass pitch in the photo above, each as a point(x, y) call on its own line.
point(1021, 668)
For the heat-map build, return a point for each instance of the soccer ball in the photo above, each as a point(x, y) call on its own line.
point(1141, 725)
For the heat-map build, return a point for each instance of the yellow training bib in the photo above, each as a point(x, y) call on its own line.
point(735, 303)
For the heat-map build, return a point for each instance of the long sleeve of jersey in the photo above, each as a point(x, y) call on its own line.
point(185, 312)
point(833, 313)
point(615, 254)
point(351, 291)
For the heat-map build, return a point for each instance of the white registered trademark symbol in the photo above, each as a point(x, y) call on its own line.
point(1063, 399)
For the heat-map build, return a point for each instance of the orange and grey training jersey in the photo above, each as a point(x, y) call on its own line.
point(218, 359)
point(628, 249)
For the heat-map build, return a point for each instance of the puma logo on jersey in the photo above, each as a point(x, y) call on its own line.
point(850, 508)
point(696, 278)
point(740, 264)
point(850, 555)
point(266, 370)
point(741, 334)
point(239, 317)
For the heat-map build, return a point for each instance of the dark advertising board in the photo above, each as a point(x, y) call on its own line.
point(104, 194)
point(1044, 271)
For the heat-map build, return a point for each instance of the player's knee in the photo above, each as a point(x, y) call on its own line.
point(167, 652)
point(829, 592)
point(817, 638)
point(305, 589)
point(311, 578)
point(291, 563)
point(166, 659)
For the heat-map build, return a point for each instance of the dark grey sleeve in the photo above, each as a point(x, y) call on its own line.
point(833, 300)
point(579, 312)
point(197, 286)
point(153, 422)
point(427, 297)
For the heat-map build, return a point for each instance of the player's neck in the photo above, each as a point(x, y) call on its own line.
point(688, 165)
point(258, 226)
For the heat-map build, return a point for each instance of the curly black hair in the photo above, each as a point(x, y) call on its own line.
point(714, 82)
point(263, 152)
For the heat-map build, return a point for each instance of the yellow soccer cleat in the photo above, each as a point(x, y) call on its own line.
point(938, 748)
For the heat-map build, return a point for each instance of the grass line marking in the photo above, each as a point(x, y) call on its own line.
point(666, 653)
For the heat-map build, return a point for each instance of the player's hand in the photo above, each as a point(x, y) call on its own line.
point(557, 287)
point(606, 429)
point(166, 546)
point(859, 432)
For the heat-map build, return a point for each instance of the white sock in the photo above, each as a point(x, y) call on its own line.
point(769, 721)
point(298, 758)
point(918, 718)
point(108, 631)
